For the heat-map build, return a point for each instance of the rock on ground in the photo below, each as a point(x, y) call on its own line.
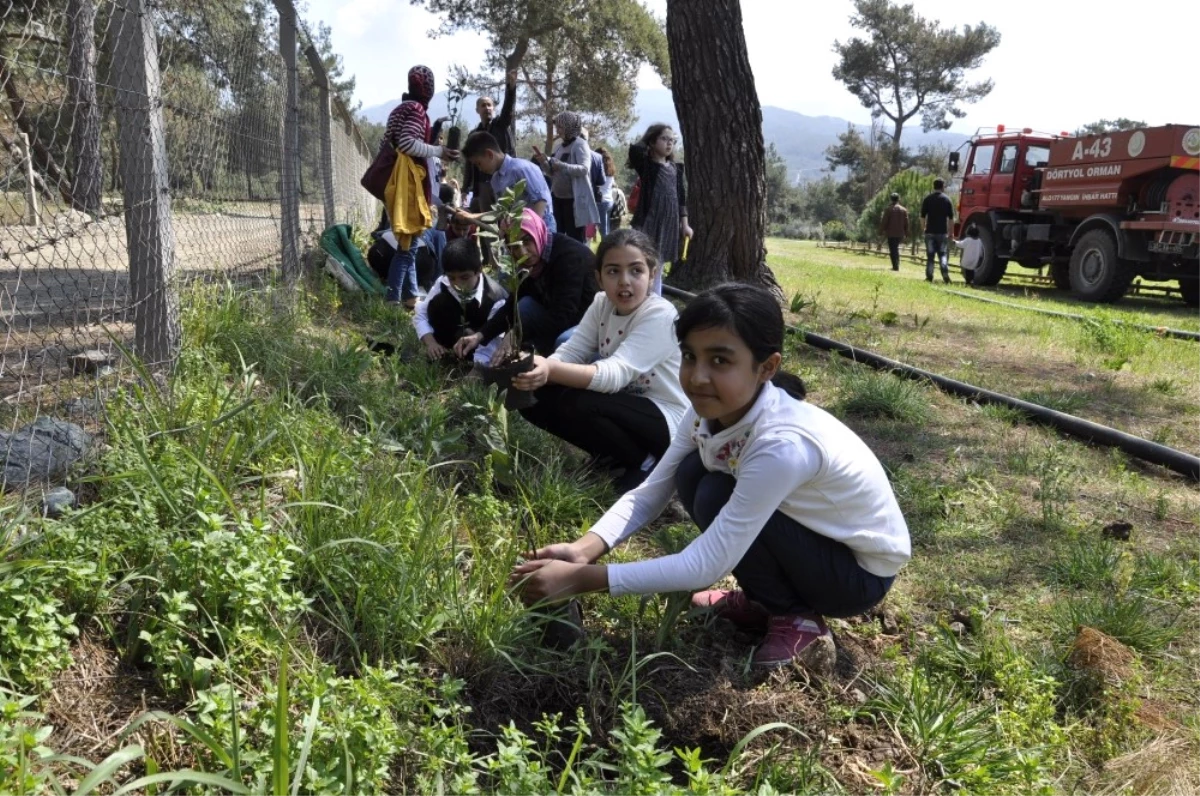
point(57, 501)
point(41, 451)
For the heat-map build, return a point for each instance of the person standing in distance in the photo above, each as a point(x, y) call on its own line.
point(894, 226)
point(937, 212)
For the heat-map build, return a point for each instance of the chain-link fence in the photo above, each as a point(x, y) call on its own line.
point(143, 144)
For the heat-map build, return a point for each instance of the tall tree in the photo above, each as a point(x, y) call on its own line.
point(718, 109)
point(570, 55)
point(1109, 126)
point(88, 174)
point(867, 161)
point(908, 65)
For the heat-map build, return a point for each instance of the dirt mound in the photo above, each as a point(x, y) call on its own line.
point(1102, 656)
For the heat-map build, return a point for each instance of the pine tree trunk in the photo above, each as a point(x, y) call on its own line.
point(88, 176)
point(725, 161)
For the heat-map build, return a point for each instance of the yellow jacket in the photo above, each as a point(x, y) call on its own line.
point(406, 203)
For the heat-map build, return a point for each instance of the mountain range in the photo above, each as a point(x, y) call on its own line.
point(800, 140)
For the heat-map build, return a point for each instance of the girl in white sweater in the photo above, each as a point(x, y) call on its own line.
point(787, 497)
point(613, 387)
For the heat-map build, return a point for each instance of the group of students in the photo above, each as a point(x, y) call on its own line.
point(690, 403)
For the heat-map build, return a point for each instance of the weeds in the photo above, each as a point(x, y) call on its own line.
point(1086, 564)
point(953, 743)
point(868, 393)
point(1138, 621)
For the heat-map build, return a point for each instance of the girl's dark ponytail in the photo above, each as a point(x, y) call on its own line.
point(753, 314)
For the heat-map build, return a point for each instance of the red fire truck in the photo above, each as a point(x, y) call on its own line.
point(1098, 210)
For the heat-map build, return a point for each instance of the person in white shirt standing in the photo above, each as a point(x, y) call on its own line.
point(788, 498)
point(613, 387)
point(972, 253)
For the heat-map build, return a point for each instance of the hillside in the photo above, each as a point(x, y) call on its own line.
point(801, 140)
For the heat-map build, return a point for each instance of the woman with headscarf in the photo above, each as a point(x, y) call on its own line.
point(570, 170)
point(551, 299)
point(410, 134)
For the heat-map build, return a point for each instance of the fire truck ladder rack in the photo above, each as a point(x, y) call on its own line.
point(1179, 461)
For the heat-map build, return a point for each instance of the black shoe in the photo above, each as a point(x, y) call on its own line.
point(895, 268)
point(946, 279)
point(929, 279)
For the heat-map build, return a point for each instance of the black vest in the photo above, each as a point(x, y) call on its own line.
point(474, 316)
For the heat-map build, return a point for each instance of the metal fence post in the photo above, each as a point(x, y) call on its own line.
point(148, 228)
point(289, 172)
point(324, 122)
point(33, 210)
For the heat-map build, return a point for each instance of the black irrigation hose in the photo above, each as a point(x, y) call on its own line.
point(1181, 334)
point(1139, 448)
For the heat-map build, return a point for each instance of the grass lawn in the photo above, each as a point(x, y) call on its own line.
point(299, 504)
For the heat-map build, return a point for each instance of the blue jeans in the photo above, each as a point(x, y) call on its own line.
point(937, 244)
point(605, 210)
point(533, 311)
point(402, 274)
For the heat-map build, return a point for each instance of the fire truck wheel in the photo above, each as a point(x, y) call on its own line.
point(991, 268)
point(1061, 274)
point(1190, 288)
point(1096, 273)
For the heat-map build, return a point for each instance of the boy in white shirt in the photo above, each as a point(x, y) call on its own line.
point(972, 253)
point(461, 300)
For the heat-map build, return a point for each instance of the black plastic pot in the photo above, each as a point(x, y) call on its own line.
point(502, 376)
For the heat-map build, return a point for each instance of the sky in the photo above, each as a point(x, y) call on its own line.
point(1060, 63)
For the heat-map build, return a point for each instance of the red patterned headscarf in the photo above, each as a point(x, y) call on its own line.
point(421, 85)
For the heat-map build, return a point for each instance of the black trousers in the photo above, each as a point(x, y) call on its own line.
point(788, 569)
point(894, 251)
point(446, 318)
point(625, 427)
point(564, 217)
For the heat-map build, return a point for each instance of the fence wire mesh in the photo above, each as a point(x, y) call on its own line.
point(143, 145)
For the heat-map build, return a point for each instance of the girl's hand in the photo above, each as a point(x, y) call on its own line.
point(466, 345)
point(433, 349)
point(562, 551)
point(545, 579)
point(535, 377)
point(684, 229)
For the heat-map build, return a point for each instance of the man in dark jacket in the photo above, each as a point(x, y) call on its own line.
point(894, 226)
point(937, 212)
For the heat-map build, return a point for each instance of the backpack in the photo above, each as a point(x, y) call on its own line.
point(635, 195)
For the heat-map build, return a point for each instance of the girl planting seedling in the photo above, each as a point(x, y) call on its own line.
point(786, 496)
point(613, 388)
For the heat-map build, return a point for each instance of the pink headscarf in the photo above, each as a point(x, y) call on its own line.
point(533, 224)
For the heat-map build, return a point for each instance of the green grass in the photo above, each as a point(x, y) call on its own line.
point(305, 546)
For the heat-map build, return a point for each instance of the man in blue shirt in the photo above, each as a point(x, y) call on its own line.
point(484, 153)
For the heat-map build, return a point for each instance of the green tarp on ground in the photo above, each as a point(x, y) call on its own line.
point(336, 242)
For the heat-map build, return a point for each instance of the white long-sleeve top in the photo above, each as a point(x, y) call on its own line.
point(638, 353)
point(972, 252)
point(786, 455)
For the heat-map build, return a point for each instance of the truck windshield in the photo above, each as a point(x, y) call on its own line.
point(1037, 156)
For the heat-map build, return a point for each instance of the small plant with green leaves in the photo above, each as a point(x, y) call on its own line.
point(953, 742)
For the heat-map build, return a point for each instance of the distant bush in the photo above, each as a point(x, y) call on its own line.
point(836, 231)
